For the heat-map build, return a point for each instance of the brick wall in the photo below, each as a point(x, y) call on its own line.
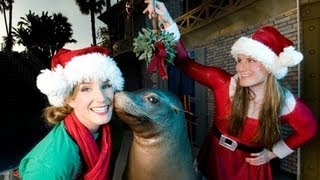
point(218, 54)
point(307, 1)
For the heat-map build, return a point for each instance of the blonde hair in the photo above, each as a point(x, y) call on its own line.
point(269, 129)
point(54, 115)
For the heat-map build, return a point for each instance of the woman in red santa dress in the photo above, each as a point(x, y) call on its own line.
point(250, 106)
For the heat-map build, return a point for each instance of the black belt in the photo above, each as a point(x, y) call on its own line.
point(232, 144)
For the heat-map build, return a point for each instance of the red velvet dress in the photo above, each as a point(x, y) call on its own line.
point(219, 163)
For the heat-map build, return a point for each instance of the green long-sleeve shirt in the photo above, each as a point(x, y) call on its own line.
point(54, 157)
point(57, 156)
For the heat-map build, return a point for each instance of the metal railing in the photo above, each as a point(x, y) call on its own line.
point(208, 12)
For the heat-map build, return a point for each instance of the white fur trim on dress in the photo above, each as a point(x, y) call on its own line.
point(281, 149)
point(233, 85)
point(289, 103)
point(289, 99)
point(173, 28)
point(278, 66)
point(58, 83)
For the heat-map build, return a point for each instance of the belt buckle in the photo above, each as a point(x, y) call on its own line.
point(228, 143)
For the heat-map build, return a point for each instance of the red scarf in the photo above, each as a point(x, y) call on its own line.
point(97, 159)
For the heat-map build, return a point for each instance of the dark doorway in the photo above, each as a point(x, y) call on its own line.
point(130, 67)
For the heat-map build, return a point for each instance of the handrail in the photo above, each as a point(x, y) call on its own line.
point(208, 12)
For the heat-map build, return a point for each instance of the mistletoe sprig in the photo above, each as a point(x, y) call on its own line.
point(155, 48)
point(144, 44)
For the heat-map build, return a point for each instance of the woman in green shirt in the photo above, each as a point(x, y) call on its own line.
point(80, 88)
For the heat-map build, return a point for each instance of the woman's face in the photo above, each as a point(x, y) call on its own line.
point(251, 72)
point(93, 103)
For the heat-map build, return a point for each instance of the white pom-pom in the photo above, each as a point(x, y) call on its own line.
point(290, 57)
point(54, 85)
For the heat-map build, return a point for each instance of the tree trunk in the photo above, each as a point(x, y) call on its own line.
point(9, 44)
point(93, 27)
point(5, 16)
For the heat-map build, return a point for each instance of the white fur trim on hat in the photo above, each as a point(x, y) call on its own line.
point(278, 66)
point(94, 66)
point(58, 83)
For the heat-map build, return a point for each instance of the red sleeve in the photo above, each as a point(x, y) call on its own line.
point(303, 124)
point(209, 76)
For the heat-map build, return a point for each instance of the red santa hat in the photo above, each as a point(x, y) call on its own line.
point(70, 67)
point(271, 48)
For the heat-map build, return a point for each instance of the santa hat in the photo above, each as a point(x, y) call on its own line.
point(69, 67)
point(271, 48)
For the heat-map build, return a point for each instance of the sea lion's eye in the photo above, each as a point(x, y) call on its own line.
point(152, 99)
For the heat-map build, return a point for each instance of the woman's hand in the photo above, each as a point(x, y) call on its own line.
point(260, 158)
point(161, 10)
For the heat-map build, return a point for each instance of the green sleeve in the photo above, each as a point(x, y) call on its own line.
point(33, 169)
point(56, 157)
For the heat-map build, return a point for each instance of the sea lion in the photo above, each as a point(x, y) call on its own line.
point(160, 147)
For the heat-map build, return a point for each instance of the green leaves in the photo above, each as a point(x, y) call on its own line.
point(144, 44)
point(44, 34)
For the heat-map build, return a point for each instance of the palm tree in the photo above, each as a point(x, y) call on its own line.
point(44, 35)
point(108, 5)
point(62, 32)
point(91, 7)
point(7, 5)
point(3, 7)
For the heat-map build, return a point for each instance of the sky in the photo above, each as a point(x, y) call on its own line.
point(81, 24)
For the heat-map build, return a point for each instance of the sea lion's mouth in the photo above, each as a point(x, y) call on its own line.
point(130, 118)
point(144, 119)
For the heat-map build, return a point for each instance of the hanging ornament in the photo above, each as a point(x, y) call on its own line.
point(129, 8)
point(155, 47)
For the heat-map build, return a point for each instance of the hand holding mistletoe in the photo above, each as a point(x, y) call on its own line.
point(155, 46)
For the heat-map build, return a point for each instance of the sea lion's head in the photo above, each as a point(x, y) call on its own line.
point(150, 111)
